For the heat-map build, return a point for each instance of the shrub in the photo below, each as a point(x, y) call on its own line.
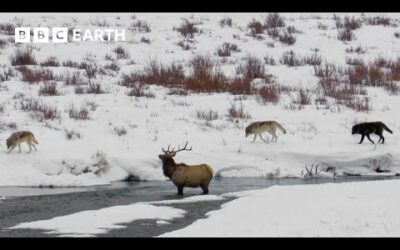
point(269, 93)
point(287, 38)
point(252, 68)
point(49, 89)
point(141, 26)
point(120, 131)
point(209, 115)
point(40, 110)
point(145, 40)
point(3, 43)
point(274, 21)
point(34, 76)
point(256, 28)
point(358, 50)
point(346, 35)
point(72, 135)
point(81, 114)
point(23, 58)
point(358, 104)
point(50, 62)
point(227, 21)
point(140, 90)
point(303, 98)
point(269, 60)
point(226, 49)
point(313, 60)
point(187, 29)
point(238, 112)
point(121, 52)
point(7, 29)
point(94, 88)
point(289, 58)
point(379, 20)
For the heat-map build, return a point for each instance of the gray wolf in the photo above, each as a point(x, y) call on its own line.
point(257, 128)
point(19, 137)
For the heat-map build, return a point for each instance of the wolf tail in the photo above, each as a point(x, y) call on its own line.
point(35, 141)
point(387, 129)
point(281, 128)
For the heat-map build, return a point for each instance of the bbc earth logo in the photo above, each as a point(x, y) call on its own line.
point(65, 35)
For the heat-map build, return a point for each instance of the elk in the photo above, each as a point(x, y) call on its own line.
point(183, 175)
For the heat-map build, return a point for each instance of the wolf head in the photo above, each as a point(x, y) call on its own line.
point(8, 143)
point(355, 130)
point(248, 131)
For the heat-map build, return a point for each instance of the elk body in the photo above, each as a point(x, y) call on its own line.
point(183, 175)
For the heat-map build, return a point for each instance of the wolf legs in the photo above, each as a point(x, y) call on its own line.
point(30, 144)
point(11, 149)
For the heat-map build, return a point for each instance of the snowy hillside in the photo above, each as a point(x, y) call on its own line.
point(102, 111)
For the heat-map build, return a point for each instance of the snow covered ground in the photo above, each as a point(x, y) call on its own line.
point(353, 209)
point(362, 209)
point(314, 135)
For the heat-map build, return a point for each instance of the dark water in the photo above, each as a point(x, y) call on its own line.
point(46, 203)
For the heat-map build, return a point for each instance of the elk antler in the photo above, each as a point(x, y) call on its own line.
point(173, 152)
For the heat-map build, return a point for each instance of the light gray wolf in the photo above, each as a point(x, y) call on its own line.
point(257, 128)
point(19, 137)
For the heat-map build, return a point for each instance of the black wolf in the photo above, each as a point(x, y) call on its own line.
point(367, 128)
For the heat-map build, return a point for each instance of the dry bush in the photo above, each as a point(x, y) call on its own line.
point(185, 45)
point(252, 68)
point(270, 60)
point(238, 112)
point(156, 73)
point(74, 79)
point(348, 23)
point(23, 58)
point(359, 104)
point(49, 89)
point(313, 59)
point(121, 52)
point(34, 76)
point(7, 29)
point(379, 20)
point(274, 21)
point(145, 40)
point(240, 86)
point(322, 26)
point(3, 43)
point(40, 110)
point(81, 114)
point(392, 87)
point(287, 38)
point(396, 34)
point(345, 35)
point(94, 88)
point(50, 62)
point(226, 21)
point(289, 58)
point(256, 28)
point(187, 29)
point(270, 93)
point(303, 98)
point(141, 26)
point(72, 135)
point(120, 131)
point(325, 71)
point(209, 115)
point(354, 61)
point(113, 66)
point(358, 50)
point(226, 49)
point(140, 90)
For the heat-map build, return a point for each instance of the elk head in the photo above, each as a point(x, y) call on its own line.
point(169, 154)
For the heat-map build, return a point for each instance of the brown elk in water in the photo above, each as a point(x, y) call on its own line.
point(183, 175)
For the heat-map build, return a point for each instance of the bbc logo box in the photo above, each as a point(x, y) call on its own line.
point(41, 35)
